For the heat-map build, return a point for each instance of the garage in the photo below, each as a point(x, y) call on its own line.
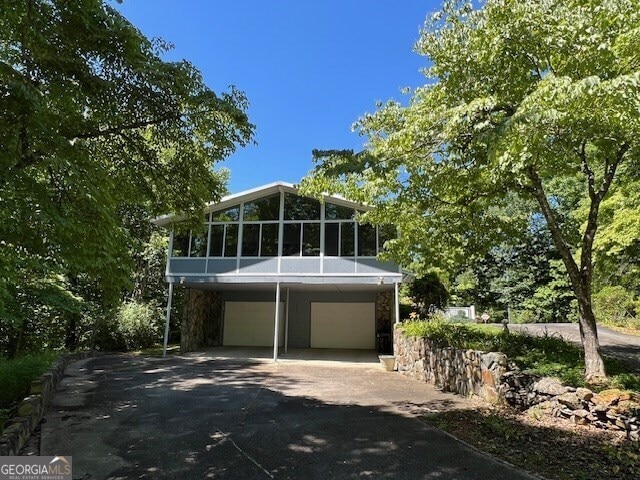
point(343, 325)
point(251, 324)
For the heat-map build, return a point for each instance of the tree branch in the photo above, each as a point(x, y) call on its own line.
point(101, 132)
point(586, 257)
point(537, 189)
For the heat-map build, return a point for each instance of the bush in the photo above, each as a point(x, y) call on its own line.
point(613, 305)
point(132, 326)
point(18, 373)
point(139, 324)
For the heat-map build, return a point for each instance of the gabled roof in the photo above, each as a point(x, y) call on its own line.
point(255, 193)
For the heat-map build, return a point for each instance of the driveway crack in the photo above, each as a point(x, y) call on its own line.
point(245, 454)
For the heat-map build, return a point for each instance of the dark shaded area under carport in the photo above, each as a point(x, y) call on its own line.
point(131, 417)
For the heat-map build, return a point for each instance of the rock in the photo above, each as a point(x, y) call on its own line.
point(549, 386)
point(491, 359)
point(582, 413)
point(571, 400)
point(584, 394)
point(607, 397)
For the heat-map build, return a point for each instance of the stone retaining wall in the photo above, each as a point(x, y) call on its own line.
point(490, 376)
point(467, 372)
point(30, 411)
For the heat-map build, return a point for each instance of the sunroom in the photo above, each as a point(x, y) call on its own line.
point(272, 268)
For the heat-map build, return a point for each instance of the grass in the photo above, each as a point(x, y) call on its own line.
point(546, 355)
point(17, 375)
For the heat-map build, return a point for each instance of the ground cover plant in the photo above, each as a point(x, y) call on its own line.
point(17, 375)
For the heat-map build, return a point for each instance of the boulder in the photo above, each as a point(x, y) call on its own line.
point(550, 386)
point(570, 400)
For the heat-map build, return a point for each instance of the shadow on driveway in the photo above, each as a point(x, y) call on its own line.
point(123, 417)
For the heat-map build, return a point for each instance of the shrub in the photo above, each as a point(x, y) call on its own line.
point(613, 304)
point(139, 324)
point(132, 326)
point(18, 373)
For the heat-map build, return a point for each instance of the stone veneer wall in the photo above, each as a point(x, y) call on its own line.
point(202, 321)
point(31, 410)
point(465, 372)
point(384, 324)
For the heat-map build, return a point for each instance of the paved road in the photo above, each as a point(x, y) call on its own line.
point(620, 345)
point(125, 417)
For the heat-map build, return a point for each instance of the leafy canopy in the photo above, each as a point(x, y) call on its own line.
point(521, 97)
point(93, 121)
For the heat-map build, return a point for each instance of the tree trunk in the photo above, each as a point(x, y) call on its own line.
point(580, 278)
point(594, 366)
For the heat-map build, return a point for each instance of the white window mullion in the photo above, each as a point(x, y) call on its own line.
point(239, 246)
point(301, 239)
point(280, 230)
point(322, 227)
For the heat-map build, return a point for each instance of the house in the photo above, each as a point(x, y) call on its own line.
point(270, 260)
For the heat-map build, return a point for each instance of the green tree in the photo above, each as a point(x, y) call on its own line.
point(521, 97)
point(94, 120)
point(428, 291)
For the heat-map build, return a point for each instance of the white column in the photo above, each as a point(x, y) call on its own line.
point(166, 325)
point(397, 295)
point(286, 324)
point(277, 323)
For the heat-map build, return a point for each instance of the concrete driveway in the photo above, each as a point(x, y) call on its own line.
point(125, 417)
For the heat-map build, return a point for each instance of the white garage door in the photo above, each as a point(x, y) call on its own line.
point(343, 325)
point(251, 324)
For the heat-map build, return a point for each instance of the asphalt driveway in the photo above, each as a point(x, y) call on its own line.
point(125, 417)
point(616, 344)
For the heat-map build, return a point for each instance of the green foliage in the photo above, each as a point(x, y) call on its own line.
point(526, 103)
point(99, 133)
point(428, 292)
point(134, 325)
point(139, 325)
point(17, 375)
point(614, 305)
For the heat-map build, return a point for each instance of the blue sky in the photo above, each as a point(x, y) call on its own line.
point(309, 68)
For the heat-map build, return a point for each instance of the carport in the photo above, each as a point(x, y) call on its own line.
point(310, 316)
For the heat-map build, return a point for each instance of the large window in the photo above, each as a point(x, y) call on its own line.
point(337, 212)
point(300, 208)
point(267, 208)
point(339, 239)
point(301, 231)
point(229, 215)
point(366, 241)
point(198, 244)
point(180, 245)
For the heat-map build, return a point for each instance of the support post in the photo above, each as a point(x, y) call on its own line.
point(277, 323)
point(166, 324)
point(286, 324)
point(397, 298)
